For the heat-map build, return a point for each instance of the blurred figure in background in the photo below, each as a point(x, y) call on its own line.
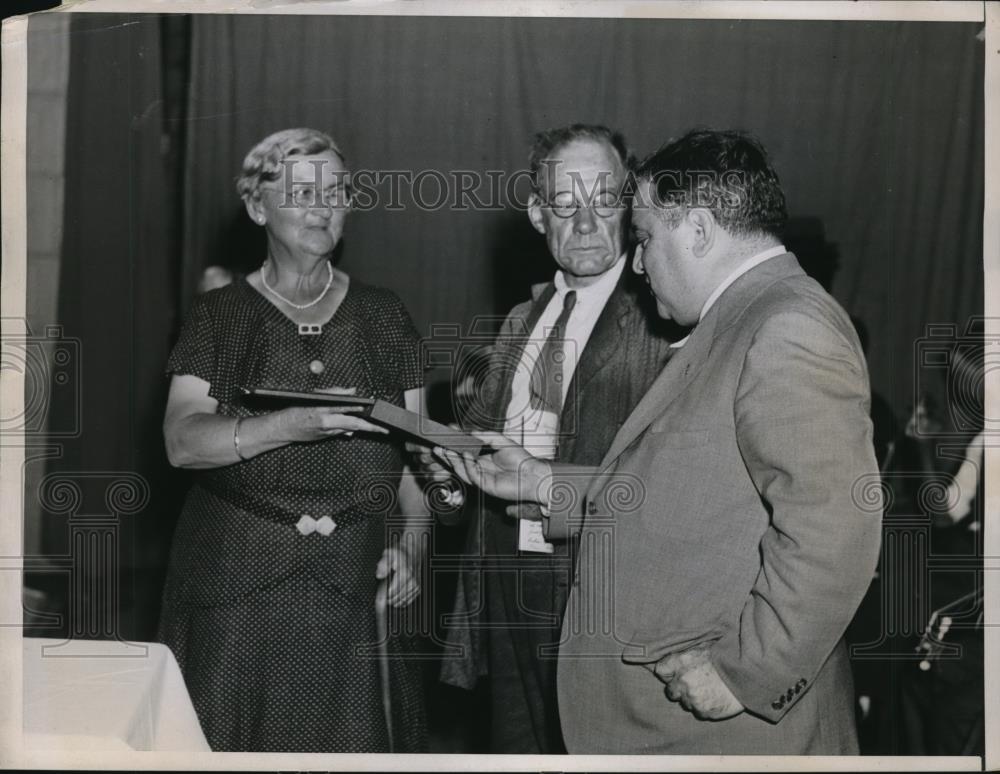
point(214, 277)
point(942, 697)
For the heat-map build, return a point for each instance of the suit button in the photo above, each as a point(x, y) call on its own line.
point(316, 366)
point(591, 508)
point(777, 705)
point(790, 695)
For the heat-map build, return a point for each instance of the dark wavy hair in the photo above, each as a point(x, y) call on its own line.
point(549, 141)
point(727, 172)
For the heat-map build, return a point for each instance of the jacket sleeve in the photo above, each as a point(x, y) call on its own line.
point(804, 433)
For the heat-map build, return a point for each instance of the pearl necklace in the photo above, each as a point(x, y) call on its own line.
point(329, 284)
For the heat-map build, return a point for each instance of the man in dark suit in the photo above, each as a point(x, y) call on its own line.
point(733, 526)
point(567, 368)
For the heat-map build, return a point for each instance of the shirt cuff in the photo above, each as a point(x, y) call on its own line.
point(567, 486)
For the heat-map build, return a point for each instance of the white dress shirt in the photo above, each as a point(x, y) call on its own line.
point(538, 433)
point(537, 430)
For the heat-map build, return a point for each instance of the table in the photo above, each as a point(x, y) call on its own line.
point(106, 695)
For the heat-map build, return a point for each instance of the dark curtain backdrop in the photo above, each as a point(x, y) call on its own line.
point(118, 296)
point(875, 128)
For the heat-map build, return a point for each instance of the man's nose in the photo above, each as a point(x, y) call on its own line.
point(323, 209)
point(585, 221)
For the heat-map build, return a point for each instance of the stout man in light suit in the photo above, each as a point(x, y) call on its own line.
point(732, 524)
point(566, 407)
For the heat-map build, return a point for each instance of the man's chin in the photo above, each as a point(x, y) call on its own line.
point(589, 264)
point(667, 313)
point(663, 311)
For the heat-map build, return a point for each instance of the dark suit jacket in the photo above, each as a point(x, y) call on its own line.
point(626, 350)
point(738, 507)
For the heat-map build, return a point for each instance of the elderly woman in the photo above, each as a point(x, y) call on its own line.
point(269, 604)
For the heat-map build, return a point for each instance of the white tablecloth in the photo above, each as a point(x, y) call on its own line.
point(106, 695)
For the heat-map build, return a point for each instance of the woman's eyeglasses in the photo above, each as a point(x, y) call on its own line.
point(306, 195)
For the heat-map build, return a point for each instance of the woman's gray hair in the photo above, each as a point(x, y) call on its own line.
point(263, 162)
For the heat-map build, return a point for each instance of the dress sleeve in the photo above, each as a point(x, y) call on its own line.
point(194, 353)
point(403, 346)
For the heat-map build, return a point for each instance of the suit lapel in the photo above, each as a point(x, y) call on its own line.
point(605, 339)
point(513, 345)
point(673, 379)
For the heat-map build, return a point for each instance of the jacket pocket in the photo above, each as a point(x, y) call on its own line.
point(648, 644)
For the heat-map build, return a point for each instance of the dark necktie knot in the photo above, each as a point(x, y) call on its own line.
point(559, 328)
point(569, 301)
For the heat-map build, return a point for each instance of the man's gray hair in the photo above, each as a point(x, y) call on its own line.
point(551, 140)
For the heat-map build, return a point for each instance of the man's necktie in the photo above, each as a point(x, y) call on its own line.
point(547, 375)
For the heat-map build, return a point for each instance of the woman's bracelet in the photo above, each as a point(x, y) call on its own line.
point(236, 439)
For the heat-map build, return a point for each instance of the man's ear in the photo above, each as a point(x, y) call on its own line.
point(255, 209)
point(535, 213)
point(637, 265)
point(704, 230)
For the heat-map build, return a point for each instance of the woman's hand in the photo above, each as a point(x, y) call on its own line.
point(404, 585)
point(197, 437)
point(316, 423)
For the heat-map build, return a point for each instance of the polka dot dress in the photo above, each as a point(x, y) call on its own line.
point(274, 630)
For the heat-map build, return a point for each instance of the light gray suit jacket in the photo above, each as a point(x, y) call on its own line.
point(738, 506)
